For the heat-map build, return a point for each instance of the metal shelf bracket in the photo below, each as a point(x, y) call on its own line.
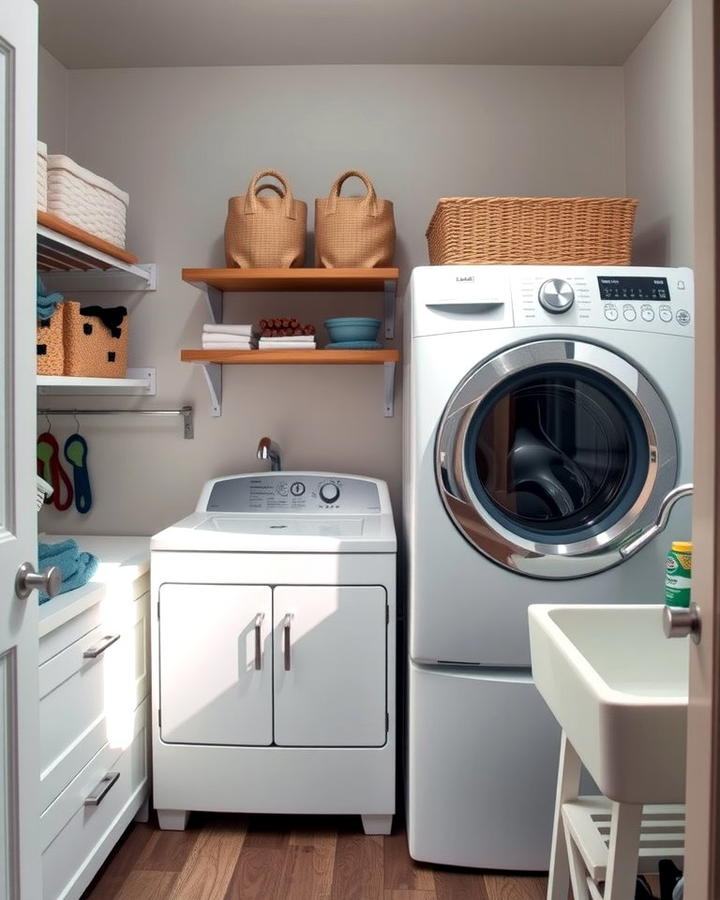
point(390, 293)
point(213, 377)
point(389, 373)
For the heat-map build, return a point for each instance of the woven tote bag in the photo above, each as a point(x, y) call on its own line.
point(265, 232)
point(353, 231)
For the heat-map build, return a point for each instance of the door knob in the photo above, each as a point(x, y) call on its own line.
point(27, 580)
point(681, 622)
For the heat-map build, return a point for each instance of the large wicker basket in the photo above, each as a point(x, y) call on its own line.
point(532, 230)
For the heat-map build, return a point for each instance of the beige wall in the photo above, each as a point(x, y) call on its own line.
point(658, 129)
point(52, 102)
point(182, 140)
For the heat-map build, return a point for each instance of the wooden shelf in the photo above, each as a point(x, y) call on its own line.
point(71, 259)
point(291, 279)
point(214, 283)
point(292, 357)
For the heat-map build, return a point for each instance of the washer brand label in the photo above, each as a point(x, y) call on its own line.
point(465, 278)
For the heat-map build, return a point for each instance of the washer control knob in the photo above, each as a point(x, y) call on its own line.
point(556, 296)
point(329, 492)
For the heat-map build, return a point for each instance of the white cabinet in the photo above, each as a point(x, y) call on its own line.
point(294, 666)
point(330, 666)
point(215, 664)
point(94, 718)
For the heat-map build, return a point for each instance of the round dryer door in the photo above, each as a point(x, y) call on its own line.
point(551, 454)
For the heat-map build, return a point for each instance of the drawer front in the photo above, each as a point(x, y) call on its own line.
point(72, 830)
point(61, 638)
point(86, 702)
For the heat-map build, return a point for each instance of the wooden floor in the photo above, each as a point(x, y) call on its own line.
point(229, 857)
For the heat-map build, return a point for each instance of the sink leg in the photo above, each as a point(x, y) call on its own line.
point(568, 787)
point(623, 852)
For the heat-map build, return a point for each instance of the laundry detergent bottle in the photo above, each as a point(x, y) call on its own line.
point(678, 574)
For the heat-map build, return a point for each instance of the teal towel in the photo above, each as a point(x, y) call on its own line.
point(77, 567)
point(46, 303)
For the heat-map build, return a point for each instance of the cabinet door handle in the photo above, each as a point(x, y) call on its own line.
point(287, 621)
point(258, 640)
point(98, 795)
point(107, 641)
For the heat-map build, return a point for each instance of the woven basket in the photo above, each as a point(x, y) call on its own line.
point(354, 231)
point(83, 198)
point(49, 347)
point(265, 232)
point(93, 348)
point(532, 230)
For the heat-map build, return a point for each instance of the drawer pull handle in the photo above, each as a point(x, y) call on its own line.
point(97, 797)
point(287, 621)
point(107, 641)
point(258, 640)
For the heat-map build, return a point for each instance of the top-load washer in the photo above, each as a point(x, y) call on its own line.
point(273, 650)
point(549, 414)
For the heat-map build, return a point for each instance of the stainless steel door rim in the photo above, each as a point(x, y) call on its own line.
point(560, 556)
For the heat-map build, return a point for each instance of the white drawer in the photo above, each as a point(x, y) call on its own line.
point(60, 638)
point(88, 702)
point(76, 838)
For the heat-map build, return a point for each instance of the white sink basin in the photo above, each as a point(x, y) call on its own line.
point(619, 689)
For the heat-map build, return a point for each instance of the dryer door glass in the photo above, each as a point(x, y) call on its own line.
point(551, 454)
point(557, 452)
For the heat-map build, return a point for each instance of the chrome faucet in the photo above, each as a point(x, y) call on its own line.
point(682, 490)
point(268, 449)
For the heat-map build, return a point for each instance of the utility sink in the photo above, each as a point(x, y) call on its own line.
point(619, 689)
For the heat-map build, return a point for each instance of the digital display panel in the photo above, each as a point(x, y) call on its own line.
point(633, 288)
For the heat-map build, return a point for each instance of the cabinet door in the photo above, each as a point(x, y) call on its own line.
point(330, 666)
point(211, 689)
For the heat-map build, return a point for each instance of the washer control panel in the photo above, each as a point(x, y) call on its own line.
point(658, 300)
point(294, 492)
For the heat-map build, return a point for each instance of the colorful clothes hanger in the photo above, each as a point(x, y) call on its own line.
point(76, 453)
point(49, 468)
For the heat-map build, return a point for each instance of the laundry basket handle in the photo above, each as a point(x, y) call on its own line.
point(369, 200)
point(251, 203)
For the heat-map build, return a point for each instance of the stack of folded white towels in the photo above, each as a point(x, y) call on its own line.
point(288, 342)
point(230, 337)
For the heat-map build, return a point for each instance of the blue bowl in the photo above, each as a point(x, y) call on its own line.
point(354, 328)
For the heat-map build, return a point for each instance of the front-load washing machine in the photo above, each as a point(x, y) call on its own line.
point(549, 414)
point(273, 650)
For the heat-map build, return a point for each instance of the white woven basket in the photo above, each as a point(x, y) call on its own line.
point(85, 199)
point(42, 176)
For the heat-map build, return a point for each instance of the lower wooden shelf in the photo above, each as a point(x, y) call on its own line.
point(292, 357)
point(212, 362)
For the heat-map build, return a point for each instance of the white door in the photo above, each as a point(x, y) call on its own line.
point(702, 860)
point(330, 666)
point(215, 664)
point(19, 813)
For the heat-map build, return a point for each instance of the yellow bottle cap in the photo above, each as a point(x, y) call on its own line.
point(682, 546)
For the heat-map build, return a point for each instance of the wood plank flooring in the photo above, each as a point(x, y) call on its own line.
point(232, 857)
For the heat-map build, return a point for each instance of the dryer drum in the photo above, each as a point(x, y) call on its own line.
point(554, 449)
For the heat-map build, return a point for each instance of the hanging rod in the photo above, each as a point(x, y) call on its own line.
point(185, 411)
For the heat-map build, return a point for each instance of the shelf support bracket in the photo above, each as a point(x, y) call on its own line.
point(214, 297)
point(213, 376)
point(390, 292)
point(389, 372)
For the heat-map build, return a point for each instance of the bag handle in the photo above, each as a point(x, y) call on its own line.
point(369, 200)
point(251, 204)
point(270, 186)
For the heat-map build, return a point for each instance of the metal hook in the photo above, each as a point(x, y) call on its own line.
point(77, 421)
point(49, 423)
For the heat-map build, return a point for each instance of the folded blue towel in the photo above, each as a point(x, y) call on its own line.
point(77, 567)
point(46, 303)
